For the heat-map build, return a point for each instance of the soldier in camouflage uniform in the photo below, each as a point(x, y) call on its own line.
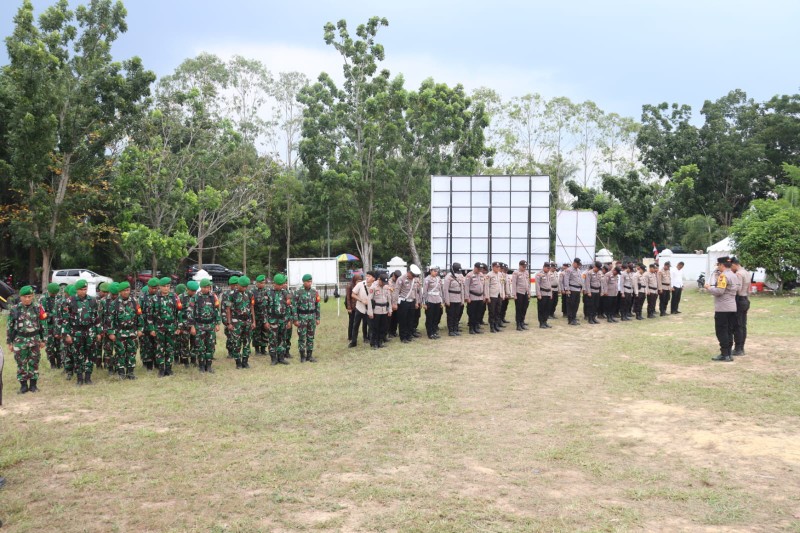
point(99, 346)
point(81, 330)
point(260, 333)
point(164, 326)
point(279, 314)
point(126, 324)
point(203, 319)
point(183, 342)
point(107, 357)
point(225, 302)
point(147, 343)
point(62, 316)
point(306, 318)
point(240, 318)
point(49, 303)
point(25, 338)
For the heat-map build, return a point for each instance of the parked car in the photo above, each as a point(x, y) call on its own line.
point(69, 276)
point(143, 276)
point(219, 273)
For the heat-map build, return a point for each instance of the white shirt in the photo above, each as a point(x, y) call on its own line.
point(677, 277)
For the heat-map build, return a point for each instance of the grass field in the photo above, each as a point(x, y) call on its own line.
point(613, 427)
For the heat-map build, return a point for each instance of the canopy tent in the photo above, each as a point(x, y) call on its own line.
point(717, 250)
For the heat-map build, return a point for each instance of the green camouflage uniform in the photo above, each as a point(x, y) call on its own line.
point(67, 350)
point(306, 313)
point(25, 330)
point(260, 340)
point(279, 314)
point(241, 318)
point(163, 320)
point(82, 323)
point(106, 349)
point(183, 342)
point(147, 344)
point(52, 334)
point(204, 315)
point(225, 303)
point(125, 321)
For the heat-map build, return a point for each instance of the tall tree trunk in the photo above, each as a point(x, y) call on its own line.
point(47, 260)
point(200, 251)
point(32, 267)
point(412, 246)
point(154, 265)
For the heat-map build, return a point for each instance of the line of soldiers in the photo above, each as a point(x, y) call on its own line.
point(608, 290)
point(165, 326)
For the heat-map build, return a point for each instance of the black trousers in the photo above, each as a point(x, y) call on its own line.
point(565, 306)
point(350, 316)
point(663, 300)
point(724, 326)
point(601, 305)
point(360, 320)
point(543, 307)
point(503, 309)
point(406, 313)
point(740, 332)
point(379, 324)
point(593, 304)
point(433, 315)
point(676, 299)
point(638, 303)
point(521, 307)
point(475, 310)
point(417, 315)
point(610, 305)
point(553, 302)
point(652, 298)
point(626, 304)
point(393, 323)
point(572, 301)
point(495, 305)
point(454, 315)
point(586, 305)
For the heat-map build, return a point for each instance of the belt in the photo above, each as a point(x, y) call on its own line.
point(743, 298)
point(376, 304)
point(299, 312)
point(205, 321)
point(476, 293)
point(575, 287)
point(652, 287)
point(27, 335)
point(404, 300)
point(541, 289)
point(454, 292)
point(435, 293)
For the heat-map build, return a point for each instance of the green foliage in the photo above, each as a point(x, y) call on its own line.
point(766, 236)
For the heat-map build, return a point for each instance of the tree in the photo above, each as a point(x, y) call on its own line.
point(288, 111)
point(667, 140)
point(349, 133)
point(72, 103)
point(766, 236)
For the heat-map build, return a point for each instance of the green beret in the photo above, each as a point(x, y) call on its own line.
point(192, 286)
point(180, 288)
point(233, 281)
point(152, 282)
point(52, 288)
point(307, 277)
point(114, 288)
point(261, 278)
point(26, 290)
point(205, 282)
point(123, 285)
point(80, 284)
point(103, 286)
point(244, 281)
point(279, 279)
point(165, 282)
point(72, 291)
point(144, 289)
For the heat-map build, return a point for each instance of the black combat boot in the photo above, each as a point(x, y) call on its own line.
point(738, 351)
point(162, 371)
point(542, 326)
point(193, 361)
point(131, 375)
point(121, 373)
point(69, 376)
point(80, 379)
point(282, 360)
point(451, 331)
point(352, 344)
point(169, 371)
point(201, 366)
point(23, 387)
point(245, 363)
point(87, 379)
point(33, 387)
point(504, 321)
point(723, 357)
point(238, 363)
point(493, 328)
point(519, 326)
point(310, 355)
point(273, 358)
point(208, 367)
point(302, 356)
point(472, 330)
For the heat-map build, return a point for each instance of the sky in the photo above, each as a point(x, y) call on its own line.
point(619, 53)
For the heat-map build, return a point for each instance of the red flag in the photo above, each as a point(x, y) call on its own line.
point(655, 250)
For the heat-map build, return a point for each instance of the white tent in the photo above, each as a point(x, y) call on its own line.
point(715, 251)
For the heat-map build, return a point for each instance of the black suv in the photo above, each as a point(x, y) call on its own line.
point(219, 273)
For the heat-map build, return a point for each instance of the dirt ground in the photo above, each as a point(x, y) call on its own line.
point(614, 427)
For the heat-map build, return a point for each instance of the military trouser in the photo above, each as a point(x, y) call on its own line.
point(433, 315)
point(105, 353)
point(740, 331)
point(543, 307)
point(305, 331)
point(289, 338)
point(554, 302)
point(610, 306)
point(454, 315)
point(260, 334)
point(147, 348)
point(229, 342)
point(277, 334)
point(67, 355)
point(54, 351)
point(565, 306)
point(587, 303)
point(638, 303)
point(572, 300)
point(495, 305)
point(652, 298)
point(183, 347)
point(240, 339)
point(83, 346)
point(591, 305)
point(475, 309)
point(724, 326)
point(521, 306)
point(166, 344)
point(205, 343)
point(663, 301)
point(504, 309)
point(378, 325)
point(626, 304)
point(26, 354)
point(125, 348)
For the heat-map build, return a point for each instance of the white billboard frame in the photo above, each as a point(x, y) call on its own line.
point(324, 270)
point(576, 236)
point(483, 218)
